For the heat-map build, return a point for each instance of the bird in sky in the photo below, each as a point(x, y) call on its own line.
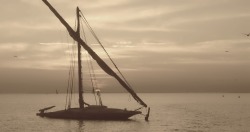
point(247, 34)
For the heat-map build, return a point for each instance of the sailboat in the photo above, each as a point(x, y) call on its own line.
point(85, 110)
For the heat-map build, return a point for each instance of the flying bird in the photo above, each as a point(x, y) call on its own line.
point(247, 34)
point(15, 56)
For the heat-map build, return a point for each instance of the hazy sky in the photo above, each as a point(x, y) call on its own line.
point(159, 45)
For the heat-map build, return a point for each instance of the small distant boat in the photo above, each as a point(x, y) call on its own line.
point(85, 110)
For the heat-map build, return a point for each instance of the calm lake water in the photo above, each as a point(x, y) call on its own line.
point(170, 112)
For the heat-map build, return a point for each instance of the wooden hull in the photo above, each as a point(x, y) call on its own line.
point(91, 113)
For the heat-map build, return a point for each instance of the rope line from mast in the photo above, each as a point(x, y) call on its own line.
point(95, 36)
point(71, 74)
point(90, 66)
point(92, 77)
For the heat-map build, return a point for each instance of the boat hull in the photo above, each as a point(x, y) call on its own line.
point(91, 113)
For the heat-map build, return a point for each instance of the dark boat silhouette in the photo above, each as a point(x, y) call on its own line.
point(85, 110)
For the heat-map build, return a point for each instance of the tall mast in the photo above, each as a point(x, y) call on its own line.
point(81, 104)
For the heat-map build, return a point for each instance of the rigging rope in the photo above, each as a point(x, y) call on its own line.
point(71, 74)
point(91, 73)
point(68, 75)
point(90, 66)
point(95, 36)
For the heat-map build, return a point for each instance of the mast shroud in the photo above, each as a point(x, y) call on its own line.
point(99, 61)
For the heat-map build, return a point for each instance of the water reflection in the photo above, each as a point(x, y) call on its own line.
point(80, 125)
point(100, 125)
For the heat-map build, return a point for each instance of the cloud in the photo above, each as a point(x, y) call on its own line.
point(163, 20)
point(162, 38)
point(33, 56)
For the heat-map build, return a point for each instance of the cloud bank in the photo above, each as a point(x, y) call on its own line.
point(199, 43)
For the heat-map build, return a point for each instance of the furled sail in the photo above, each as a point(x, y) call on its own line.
point(100, 62)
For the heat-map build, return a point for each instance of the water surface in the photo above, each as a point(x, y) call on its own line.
point(182, 112)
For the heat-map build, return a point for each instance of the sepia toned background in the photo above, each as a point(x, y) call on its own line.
point(160, 45)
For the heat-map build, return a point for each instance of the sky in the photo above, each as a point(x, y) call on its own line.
point(159, 45)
